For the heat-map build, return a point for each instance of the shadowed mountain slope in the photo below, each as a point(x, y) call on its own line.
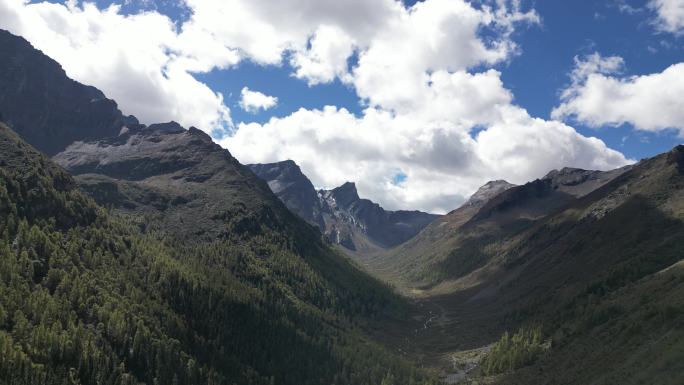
point(360, 225)
point(44, 106)
point(196, 273)
point(604, 278)
point(456, 244)
point(590, 293)
point(88, 297)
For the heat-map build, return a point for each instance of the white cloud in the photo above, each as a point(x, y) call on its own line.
point(428, 114)
point(437, 151)
point(326, 58)
point(253, 101)
point(599, 96)
point(670, 15)
point(138, 60)
point(265, 30)
point(423, 108)
point(393, 72)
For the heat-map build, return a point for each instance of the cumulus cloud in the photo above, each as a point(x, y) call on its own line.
point(326, 58)
point(428, 115)
point(441, 158)
point(265, 30)
point(424, 107)
point(670, 15)
point(138, 60)
point(599, 96)
point(253, 101)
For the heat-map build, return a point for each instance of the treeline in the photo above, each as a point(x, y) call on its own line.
point(513, 352)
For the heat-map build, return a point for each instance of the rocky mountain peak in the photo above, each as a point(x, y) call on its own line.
point(488, 191)
point(287, 172)
point(579, 182)
point(45, 107)
point(288, 182)
point(676, 156)
point(569, 176)
point(170, 127)
point(345, 194)
point(342, 216)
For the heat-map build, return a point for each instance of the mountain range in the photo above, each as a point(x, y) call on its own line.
point(160, 259)
point(359, 225)
point(147, 254)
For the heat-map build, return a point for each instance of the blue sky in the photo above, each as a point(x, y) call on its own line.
point(572, 28)
point(426, 101)
point(535, 76)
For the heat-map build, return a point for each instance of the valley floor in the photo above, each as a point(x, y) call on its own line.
point(447, 334)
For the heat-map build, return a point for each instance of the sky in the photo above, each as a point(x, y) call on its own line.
point(418, 103)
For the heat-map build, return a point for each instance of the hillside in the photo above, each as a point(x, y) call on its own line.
point(599, 279)
point(360, 226)
point(458, 243)
point(194, 272)
point(610, 296)
point(86, 296)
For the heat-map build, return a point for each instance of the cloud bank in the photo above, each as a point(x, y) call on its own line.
point(435, 109)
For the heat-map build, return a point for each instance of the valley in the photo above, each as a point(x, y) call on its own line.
point(148, 254)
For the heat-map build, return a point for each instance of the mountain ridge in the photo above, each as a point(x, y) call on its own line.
point(30, 78)
point(453, 244)
point(359, 225)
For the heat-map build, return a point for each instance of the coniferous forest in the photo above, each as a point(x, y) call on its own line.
point(86, 299)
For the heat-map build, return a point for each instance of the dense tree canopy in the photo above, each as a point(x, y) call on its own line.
point(86, 297)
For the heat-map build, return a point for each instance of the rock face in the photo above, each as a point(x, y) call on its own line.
point(288, 182)
point(542, 197)
point(44, 106)
point(487, 192)
point(578, 182)
point(357, 224)
point(346, 214)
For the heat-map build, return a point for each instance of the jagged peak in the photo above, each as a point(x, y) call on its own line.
point(345, 194)
point(287, 164)
point(488, 191)
point(676, 156)
point(494, 183)
point(346, 188)
point(285, 167)
point(170, 127)
point(566, 171)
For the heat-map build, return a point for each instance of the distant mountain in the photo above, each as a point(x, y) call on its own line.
point(488, 191)
point(359, 225)
point(288, 183)
point(44, 106)
point(453, 245)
